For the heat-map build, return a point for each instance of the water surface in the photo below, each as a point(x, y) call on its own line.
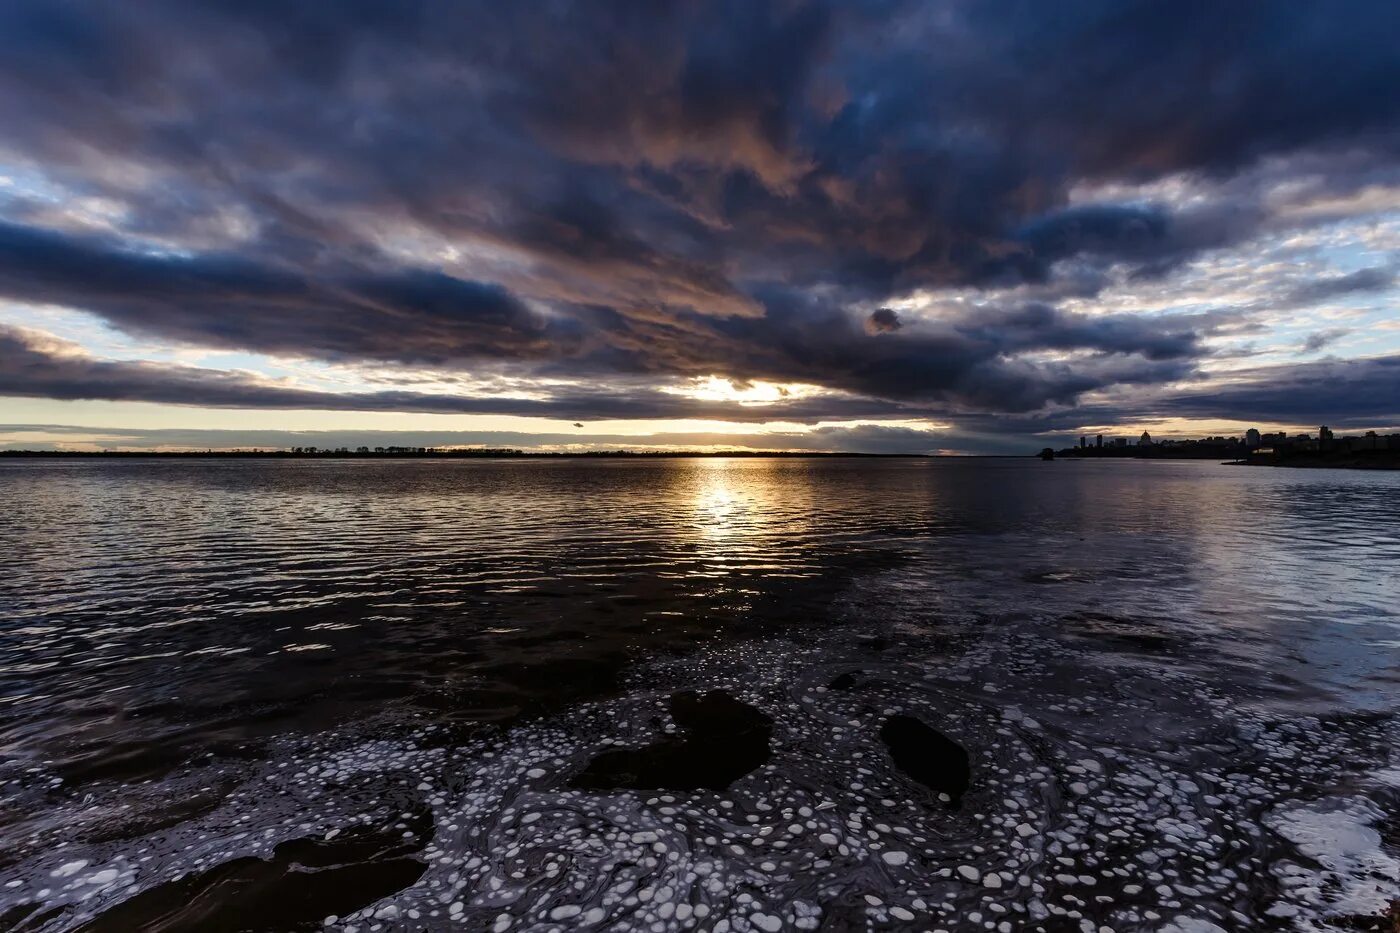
point(696, 694)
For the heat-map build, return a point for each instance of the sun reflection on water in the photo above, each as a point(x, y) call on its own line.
point(745, 514)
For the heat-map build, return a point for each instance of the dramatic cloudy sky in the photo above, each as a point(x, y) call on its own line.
point(963, 226)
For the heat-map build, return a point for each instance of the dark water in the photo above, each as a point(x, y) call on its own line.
point(697, 694)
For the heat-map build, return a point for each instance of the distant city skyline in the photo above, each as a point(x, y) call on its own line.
point(1324, 447)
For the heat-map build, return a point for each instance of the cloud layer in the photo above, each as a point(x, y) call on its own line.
point(921, 210)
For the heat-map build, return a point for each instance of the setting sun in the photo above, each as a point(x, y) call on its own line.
point(757, 392)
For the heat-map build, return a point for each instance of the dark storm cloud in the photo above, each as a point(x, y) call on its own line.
point(233, 302)
point(1153, 240)
point(1103, 229)
point(424, 317)
point(664, 190)
point(1361, 393)
point(38, 365)
point(1036, 326)
point(1345, 393)
point(1323, 338)
point(1353, 394)
point(1362, 281)
point(1151, 86)
point(883, 321)
point(973, 361)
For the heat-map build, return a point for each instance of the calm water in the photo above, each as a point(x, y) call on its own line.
point(697, 694)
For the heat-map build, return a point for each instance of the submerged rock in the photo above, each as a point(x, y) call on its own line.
point(843, 682)
point(724, 740)
point(303, 881)
point(927, 756)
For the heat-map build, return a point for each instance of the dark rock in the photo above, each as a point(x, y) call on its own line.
point(304, 881)
point(927, 756)
point(724, 740)
point(844, 682)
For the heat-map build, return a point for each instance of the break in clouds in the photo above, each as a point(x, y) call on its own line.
point(914, 211)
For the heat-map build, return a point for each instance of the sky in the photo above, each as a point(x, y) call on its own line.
point(881, 226)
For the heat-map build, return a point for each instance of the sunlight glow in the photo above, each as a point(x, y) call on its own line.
point(722, 389)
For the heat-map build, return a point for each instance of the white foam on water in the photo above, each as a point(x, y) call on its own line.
point(1358, 876)
point(1151, 801)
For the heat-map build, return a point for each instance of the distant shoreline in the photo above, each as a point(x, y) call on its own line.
point(1322, 463)
point(1376, 459)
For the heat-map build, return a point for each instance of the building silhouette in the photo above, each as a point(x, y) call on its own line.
point(1325, 448)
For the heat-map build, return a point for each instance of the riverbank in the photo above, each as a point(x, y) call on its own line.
point(1364, 460)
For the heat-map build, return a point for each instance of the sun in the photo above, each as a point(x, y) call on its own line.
point(756, 392)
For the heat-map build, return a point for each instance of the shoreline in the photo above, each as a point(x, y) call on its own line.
point(1312, 464)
